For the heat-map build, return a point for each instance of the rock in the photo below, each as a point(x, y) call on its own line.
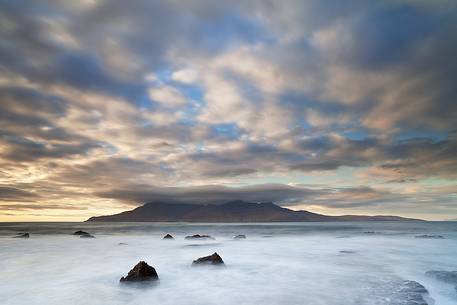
point(122, 244)
point(87, 235)
point(201, 245)
point(198, 236)
point(22, 235)
point(444, 276)
point(79, 232)
point(409, 293)
point(168, 236)
point(213, 259)
point(347, 252)
point(430, 236)
point(140, 273)
point(240, 236)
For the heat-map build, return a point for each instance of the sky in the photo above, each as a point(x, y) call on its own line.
point(336, 107)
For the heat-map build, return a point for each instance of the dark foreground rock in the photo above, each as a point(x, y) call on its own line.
point(87, 235)
point(410, 293)
point(168, 236)
point(22, 235)
point(142, 272)
point(79, 232)
point(430, 236)
point(213, 259)
point(240, 236)
point(198, 236)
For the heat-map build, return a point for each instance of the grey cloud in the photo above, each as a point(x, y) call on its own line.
point(28, 207)
point(317, 166)
point(22, 149)
point(137, 194)
point(14, 194)
point(389, 71)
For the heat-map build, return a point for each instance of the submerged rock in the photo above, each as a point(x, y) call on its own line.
point(449, 277)
point(79, 232)
point(347, 252)
point(430, 236)
point(213, 259)
point(168, 236)
point(87, 235)
point(410, 293)
point(140, 273)
point(198, 236)
point(240, 236)
point(22, 235)
point(201, 245)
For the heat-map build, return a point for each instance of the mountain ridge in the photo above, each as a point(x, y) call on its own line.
point(232, 211)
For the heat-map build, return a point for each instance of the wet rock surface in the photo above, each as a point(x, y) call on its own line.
point(198, 236)
point(168, 236)
point(213, 259)
point(142, 272)
point(409, 293)
point(22, 235)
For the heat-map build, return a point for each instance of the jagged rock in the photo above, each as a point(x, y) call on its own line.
point(22, 235)
point(87, 235)
point(430, 236)
point(198, 236)
point(409, 293)
point(140, 273)
point(79, 232)
point(168, 236)
point(213, 259)
point(240, 236)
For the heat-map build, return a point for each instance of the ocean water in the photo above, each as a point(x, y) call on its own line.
point(281, 263)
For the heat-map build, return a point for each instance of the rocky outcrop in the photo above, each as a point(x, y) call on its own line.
point(168, 236)
point(142, 272)
point(198, 236)
point(79, 232)
point(22, 235)
point(213, 259)
point(409, 293)
point(240, 236)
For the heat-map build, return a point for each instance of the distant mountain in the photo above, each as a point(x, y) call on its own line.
point(233, 211)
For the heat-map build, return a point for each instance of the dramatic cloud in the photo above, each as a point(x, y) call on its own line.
point(339, 107)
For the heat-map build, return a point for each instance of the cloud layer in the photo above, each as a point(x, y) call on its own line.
point(340, 107)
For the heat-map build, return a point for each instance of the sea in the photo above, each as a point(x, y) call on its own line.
point(341, 263)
